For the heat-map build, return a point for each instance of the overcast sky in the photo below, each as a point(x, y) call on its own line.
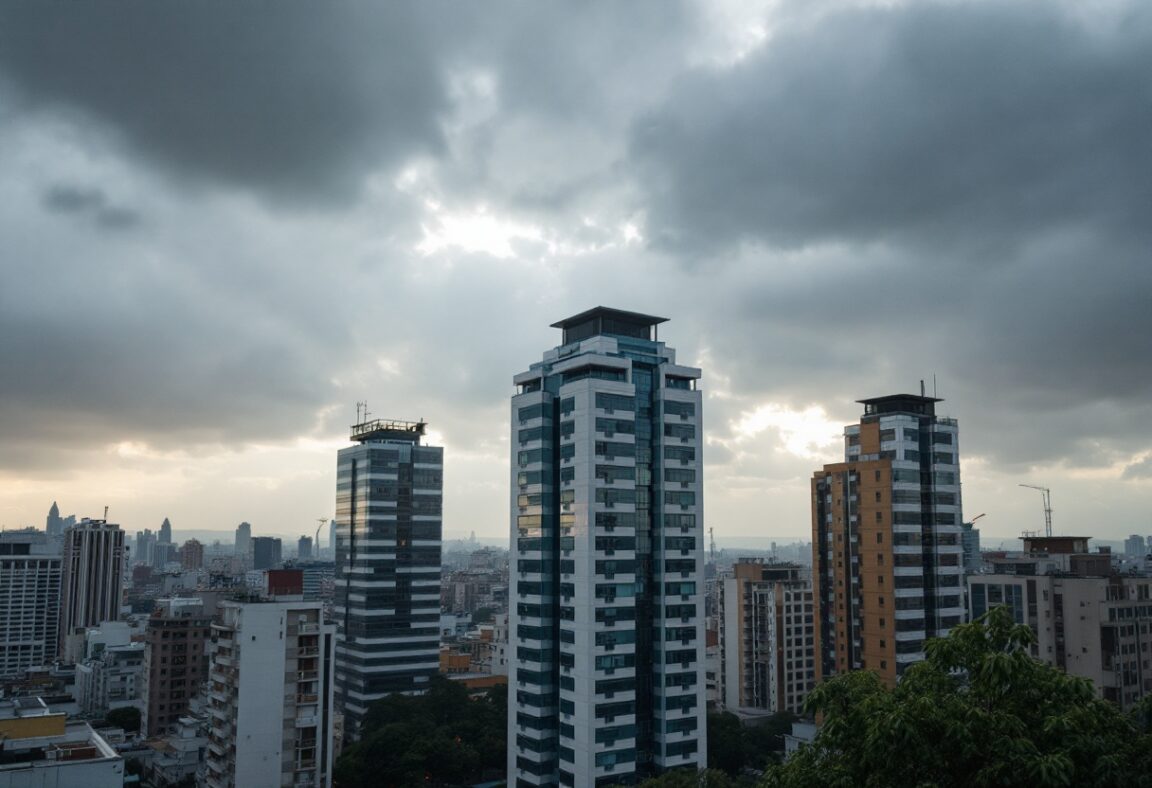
point(223, 224)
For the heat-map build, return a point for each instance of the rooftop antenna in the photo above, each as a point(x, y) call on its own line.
point(359, 406)
point(1046, 494)
point(105, 514)
point(934, 385)
point(922, 387)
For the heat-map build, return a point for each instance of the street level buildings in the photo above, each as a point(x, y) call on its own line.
point(92, 581)
point(389, 495)
point(270, 696)
point(1089, 620)
point(769, 637)
point(41, 749)
point(30, 584)
point(606, 630)
point(886, 539)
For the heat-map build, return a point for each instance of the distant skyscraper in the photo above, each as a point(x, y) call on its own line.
point(165, 532)
point(243, 539)
point(332, 538)
point(1135, 546)
point(145, 547)
point(266, 552)
point(29, 601)
point(607, 623)
point(271, 694)
point(886, 539)
point(54, 526)
point(93, 570)
point(304, 548)
point(192, 555)
point(970, 539)
point(387, 605)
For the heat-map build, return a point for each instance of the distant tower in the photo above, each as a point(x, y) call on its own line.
point(243, 538)
point(166, 532)
point(266, 552)
point(332, 537)
point(54, 525)
point(93, 572)
point(304, 548)
point(192, 555)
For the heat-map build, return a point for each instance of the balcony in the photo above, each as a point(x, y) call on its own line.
point(308, 629)
point(307, 675)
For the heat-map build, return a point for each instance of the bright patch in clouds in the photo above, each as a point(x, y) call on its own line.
point(477, 231)
point(806, 433)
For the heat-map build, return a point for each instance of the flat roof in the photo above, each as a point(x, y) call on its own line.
point(895, 397)
point(618, 314)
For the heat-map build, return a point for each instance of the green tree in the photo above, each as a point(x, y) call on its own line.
point(127, 718)
point(443, 737)
point(690, 778)
point(726, 750)
point(979, 711)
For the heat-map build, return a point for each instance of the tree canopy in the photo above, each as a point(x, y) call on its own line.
point(979, 711)
point(127, 717)
point(443, 737)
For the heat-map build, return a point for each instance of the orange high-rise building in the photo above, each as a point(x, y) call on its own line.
point(887, 556)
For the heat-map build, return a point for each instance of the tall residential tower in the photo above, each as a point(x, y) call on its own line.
point(92, 580)
point(389, 493)
point(887, 557)
point(606, 631)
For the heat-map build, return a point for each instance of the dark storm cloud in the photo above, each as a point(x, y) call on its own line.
point(91, 202)
point(953, 126)
point(293, 100)
point(955, 188)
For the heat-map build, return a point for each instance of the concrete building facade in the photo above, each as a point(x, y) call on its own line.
point(270, 696)
point(1089, 621)
point(30, 583)
point(769, 638)
point(175, 661)
point(606, 630)
point(41, 749)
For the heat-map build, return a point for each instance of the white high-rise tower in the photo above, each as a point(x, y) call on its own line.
point(606, 627)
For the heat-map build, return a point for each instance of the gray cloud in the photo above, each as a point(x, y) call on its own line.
point(91, 202)
point(954, 126)
point(286, 99)
point(872, 197)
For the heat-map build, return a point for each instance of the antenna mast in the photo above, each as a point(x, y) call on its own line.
point(1046, 495)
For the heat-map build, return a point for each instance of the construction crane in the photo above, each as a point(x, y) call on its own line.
point(316, 543)
point(1046, 494)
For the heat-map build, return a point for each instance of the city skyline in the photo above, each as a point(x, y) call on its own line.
point(176, 308)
